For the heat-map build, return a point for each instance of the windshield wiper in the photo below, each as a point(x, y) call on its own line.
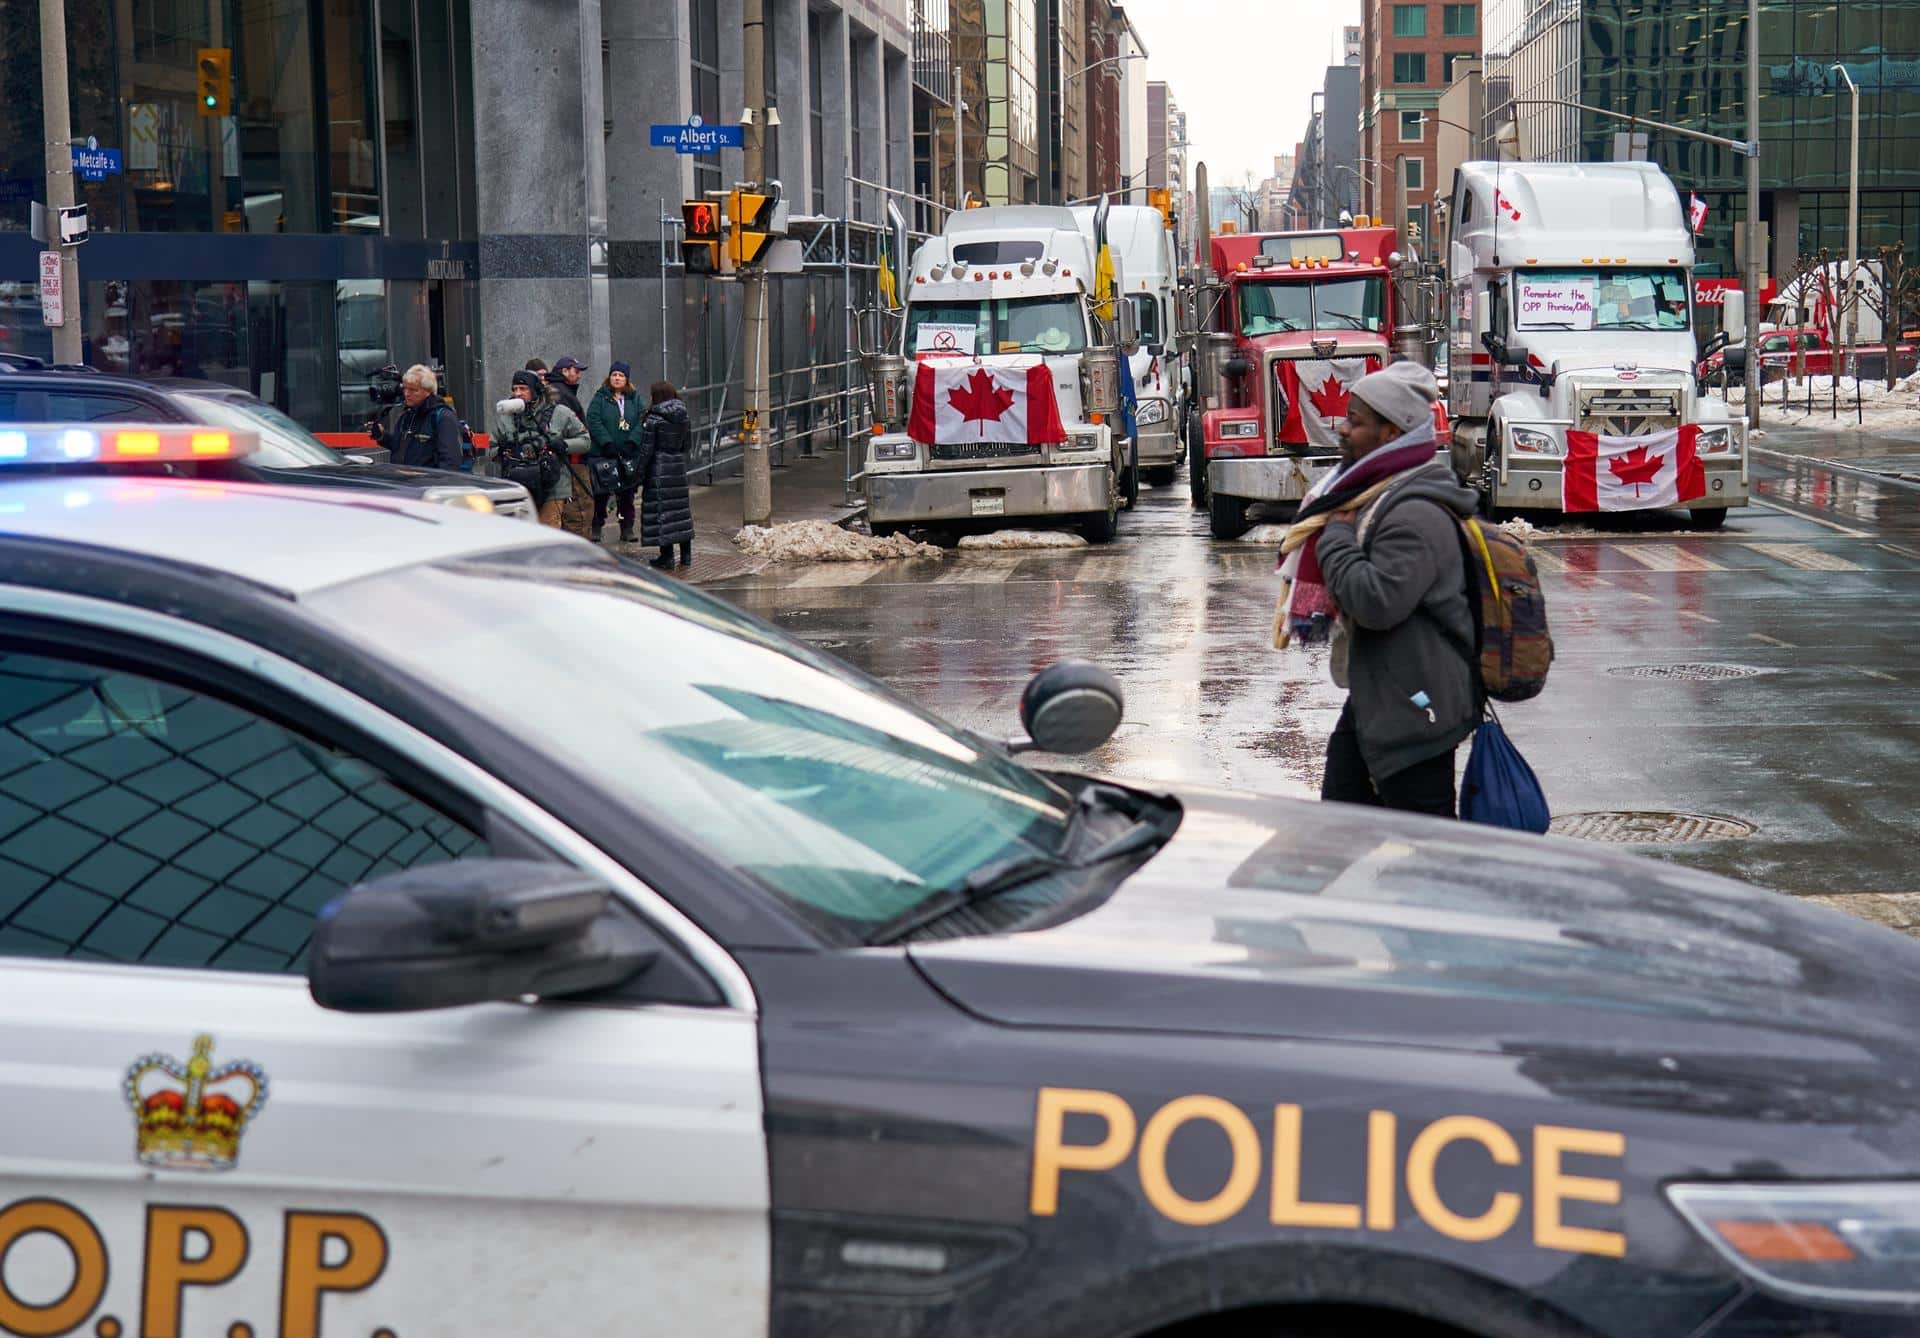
point(1630, 325)
point(1353, 322)
point(1549, 325)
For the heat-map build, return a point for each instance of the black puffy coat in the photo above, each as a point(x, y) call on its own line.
point(666, 506)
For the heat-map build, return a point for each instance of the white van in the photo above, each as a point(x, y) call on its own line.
point(1143, 253)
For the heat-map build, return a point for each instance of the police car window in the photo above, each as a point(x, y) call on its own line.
point(145, 822)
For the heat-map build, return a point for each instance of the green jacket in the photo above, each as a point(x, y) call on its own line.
point(543, 424)
point(604, 425)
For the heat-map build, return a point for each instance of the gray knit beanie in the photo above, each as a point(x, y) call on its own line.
point(1402, 393)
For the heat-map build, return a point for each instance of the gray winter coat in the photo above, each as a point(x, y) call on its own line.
point(1401, 587)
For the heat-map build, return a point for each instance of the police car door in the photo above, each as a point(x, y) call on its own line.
point(194, 1147)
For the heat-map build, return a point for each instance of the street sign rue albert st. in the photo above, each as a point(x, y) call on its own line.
point(695, 137)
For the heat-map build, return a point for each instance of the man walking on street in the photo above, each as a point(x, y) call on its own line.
point(1377, 547)
point(427, 433)
point(564, 381)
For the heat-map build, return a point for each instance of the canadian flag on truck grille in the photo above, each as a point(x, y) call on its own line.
point(958, 401)
point(1315, 393)
point(1632, 473)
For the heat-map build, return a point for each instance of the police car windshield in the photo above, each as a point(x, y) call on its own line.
point(284, 444)
point(848, 803)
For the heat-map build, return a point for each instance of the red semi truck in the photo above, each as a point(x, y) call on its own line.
point(1288, 321)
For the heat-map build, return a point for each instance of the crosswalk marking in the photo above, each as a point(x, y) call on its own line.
point(1668, 557)
point(1807, 559)
point(833, 574)
point(975, 573)
point(1546, 561)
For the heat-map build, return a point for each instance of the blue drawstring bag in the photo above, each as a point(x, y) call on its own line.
point(1500, 789)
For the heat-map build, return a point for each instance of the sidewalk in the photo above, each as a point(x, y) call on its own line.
point(807, 488)
point(1894, 455)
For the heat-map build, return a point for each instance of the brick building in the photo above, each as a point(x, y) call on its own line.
point(1409, 51)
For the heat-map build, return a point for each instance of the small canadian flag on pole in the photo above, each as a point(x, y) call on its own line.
point(1696, 211)
point(1632, 473)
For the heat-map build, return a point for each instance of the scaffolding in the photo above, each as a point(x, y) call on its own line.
point(825, 405)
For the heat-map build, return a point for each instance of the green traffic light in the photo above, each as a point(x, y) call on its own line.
point(212, 101)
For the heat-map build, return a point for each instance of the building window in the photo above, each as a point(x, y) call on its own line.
point(816, 114)
point(1409, 20)
point(1409, 67)
point(1453, 58)
point(705, 15)
point(1412, 127)
point(1416, 174)
point(1458, 20)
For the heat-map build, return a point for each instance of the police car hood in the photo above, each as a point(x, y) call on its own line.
point(1268, 917)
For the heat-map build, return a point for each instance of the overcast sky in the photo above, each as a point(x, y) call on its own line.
point(1242, 71)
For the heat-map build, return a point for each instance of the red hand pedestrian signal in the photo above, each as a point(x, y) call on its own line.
point(700, 243)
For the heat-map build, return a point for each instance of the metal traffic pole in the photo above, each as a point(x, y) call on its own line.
point(58, 128)
point(756, 469)
point(1753, 213)
point(1853, 237)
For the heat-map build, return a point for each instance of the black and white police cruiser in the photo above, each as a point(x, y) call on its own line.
point(416, 925)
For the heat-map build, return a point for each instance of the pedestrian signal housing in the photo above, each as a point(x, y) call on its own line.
point(215, 69)
point(750, 219)
point(700, 244)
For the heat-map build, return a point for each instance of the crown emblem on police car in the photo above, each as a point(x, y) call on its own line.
point(190, 1116)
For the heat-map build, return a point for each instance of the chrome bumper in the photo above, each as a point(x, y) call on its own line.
point(973, 494)
point(1272, 478)
point(1536, 485)
point(1160, 445)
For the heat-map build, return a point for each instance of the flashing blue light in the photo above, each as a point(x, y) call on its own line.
point(77, 444)
point(13, 445)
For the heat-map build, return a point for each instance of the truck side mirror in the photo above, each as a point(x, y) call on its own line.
point(1733, 314)
point(1715, 344)
point(1128, 327)
point(1505, 353)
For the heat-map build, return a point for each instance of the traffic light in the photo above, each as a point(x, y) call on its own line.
point(750, 223)
point(215, 83)
point(1161, 198)
point(700, 244)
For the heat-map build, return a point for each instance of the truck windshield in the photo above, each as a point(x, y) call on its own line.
point(1329, 304)
point(998, 325)
point(1601, 299)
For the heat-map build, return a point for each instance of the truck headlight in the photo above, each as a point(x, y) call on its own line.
point(1239, 427)
point(1080, 441)
point(1716, 439)
point(1151, 411)
point(1533, 442)
point(1856, 1243)
point(895, 450)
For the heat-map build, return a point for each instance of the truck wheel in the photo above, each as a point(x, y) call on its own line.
point(1101, 526)
point(1708, 517)
point(1160, 476)
point(1130, 477)
point(882, 530)
point(1196, 460)
point(1227, 516)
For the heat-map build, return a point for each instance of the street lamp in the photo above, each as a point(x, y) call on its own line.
point(1853, 233)
point(1105, 60)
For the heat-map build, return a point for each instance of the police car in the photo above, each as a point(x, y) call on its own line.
point(415, 925)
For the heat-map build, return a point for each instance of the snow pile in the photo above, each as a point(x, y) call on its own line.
point(1024, 539)
point(1265, 534)
point(1881, 410)
point(822, 541)
point(1520, 528)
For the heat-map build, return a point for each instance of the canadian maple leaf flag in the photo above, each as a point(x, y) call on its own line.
point(1632, 473)
point(958, 401)
point(1696, 211)
point(1317, 391)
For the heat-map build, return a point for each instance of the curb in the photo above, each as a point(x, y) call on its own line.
point(1908, 481)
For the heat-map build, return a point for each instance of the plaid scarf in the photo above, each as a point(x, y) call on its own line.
point(1307, 611)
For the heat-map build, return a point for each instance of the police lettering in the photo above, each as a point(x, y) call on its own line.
point(1377, 1185)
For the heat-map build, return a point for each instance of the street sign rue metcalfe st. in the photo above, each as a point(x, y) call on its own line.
point(93, 164)
point(696, 137)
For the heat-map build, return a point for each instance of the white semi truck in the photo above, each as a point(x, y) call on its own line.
point(1571, 309)
point(1143, 248)
point(1005, 289)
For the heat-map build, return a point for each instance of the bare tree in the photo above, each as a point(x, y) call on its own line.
point(1894, 299)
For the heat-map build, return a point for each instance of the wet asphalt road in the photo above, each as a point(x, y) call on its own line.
point(1817, 588)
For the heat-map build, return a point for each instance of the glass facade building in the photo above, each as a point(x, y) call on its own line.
point(1685, 62)
point(284, 246)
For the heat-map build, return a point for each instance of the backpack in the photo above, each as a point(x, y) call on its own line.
point(1510, 610)
point(1512, 647)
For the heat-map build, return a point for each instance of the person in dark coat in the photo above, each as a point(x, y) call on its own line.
point(614, 422)
point(564, 383)
point(666, 505)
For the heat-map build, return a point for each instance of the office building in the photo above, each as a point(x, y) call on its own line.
point(1685, 62)
point(462, 180)
point(999, 48)
point(1409, 55)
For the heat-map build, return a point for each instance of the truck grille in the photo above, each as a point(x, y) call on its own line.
point(981, 450)
point(1629, 411)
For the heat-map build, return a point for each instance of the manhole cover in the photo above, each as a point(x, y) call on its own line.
point(1664, 829)
point(1688, 673)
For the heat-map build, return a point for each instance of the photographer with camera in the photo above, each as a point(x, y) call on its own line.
point(534, 434)
point(427, 433)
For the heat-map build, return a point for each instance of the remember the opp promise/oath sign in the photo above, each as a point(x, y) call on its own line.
point(1556, 304)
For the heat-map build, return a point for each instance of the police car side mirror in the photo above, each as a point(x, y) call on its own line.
point(1069, 708)
point(472, 931)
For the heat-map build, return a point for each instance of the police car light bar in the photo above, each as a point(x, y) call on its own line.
point(111, 443)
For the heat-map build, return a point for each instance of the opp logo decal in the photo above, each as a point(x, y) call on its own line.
point(1377, 1185)
point(189, 1117)
point(190, 1245)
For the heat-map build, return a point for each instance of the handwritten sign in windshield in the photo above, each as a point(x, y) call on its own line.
point(944, 337)
point(1556, 304)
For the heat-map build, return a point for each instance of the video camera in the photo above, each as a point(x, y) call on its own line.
point(383, 386)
